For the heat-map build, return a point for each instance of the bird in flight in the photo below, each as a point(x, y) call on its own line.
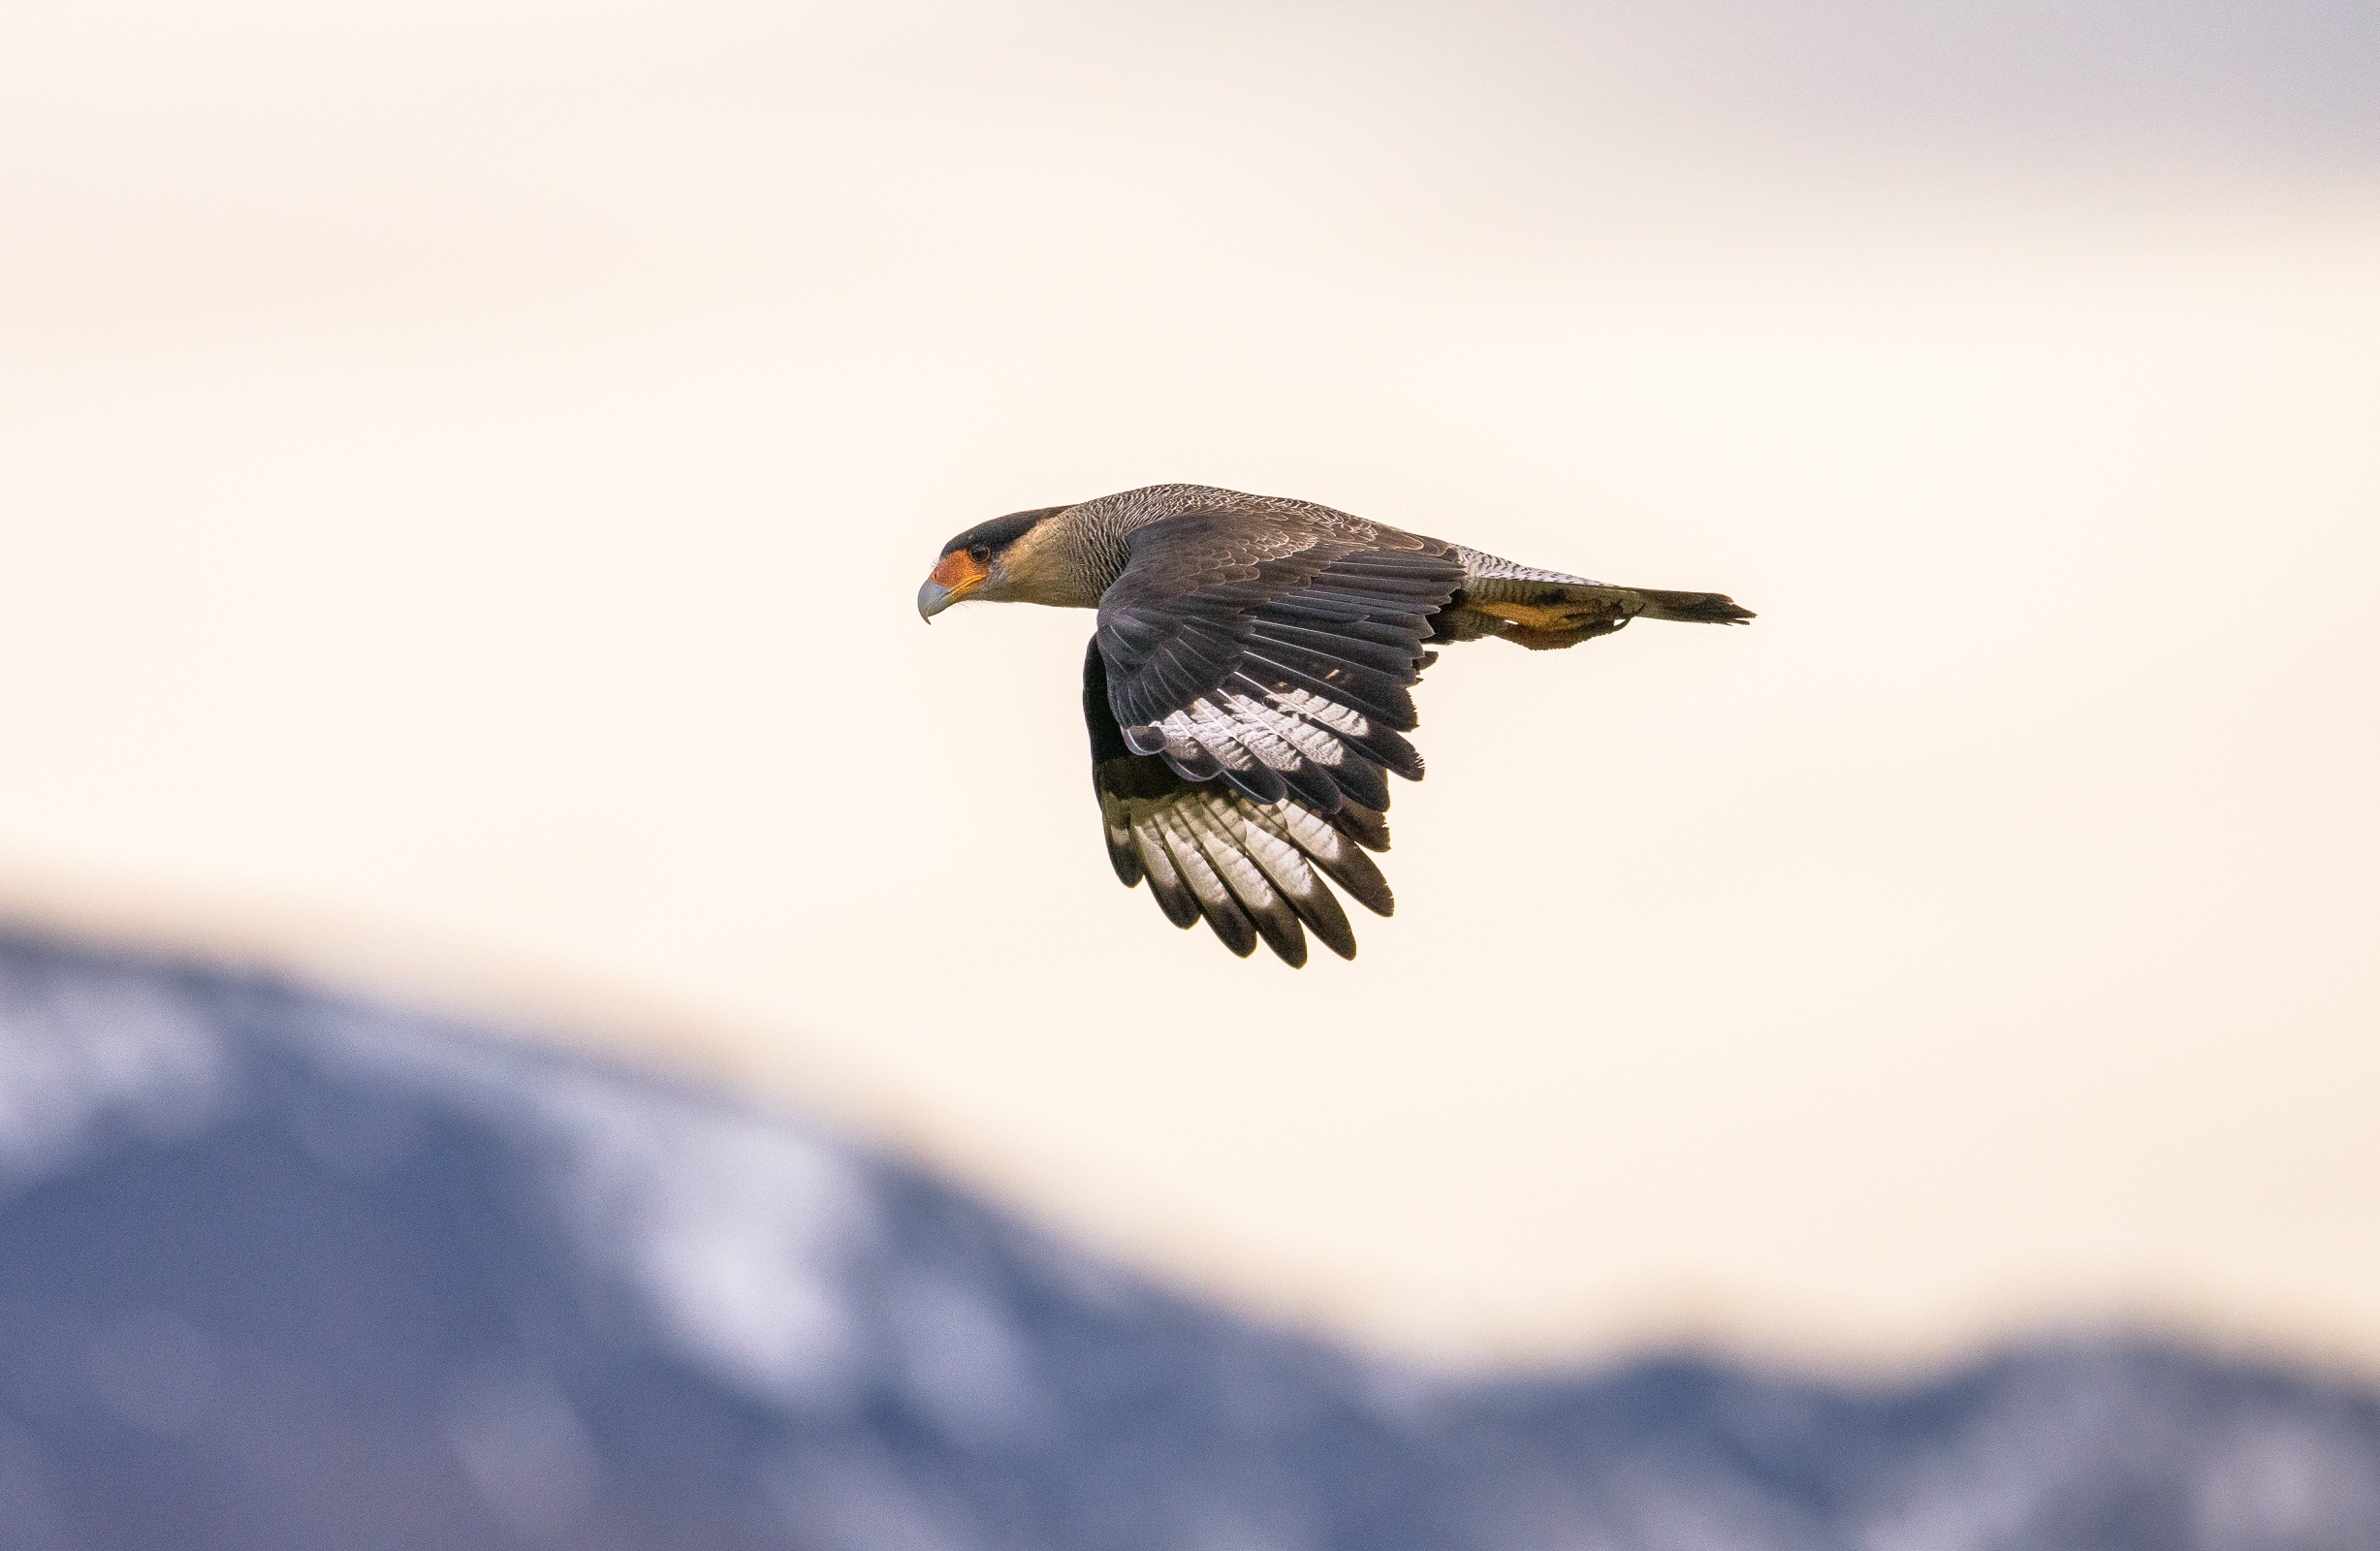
point(1246, 686)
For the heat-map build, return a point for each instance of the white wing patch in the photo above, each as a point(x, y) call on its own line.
point(1283, 731)
point(1307, 706)
point(1291, 728)
point(1249, 869)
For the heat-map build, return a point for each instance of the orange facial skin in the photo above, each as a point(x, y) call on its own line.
point(957, 574)
point(961, 572)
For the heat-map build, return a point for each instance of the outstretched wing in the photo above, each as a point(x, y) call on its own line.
point(1255, 673)
point(1249, 869)
point(1274, 653)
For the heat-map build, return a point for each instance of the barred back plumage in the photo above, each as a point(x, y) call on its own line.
point(1247, 688)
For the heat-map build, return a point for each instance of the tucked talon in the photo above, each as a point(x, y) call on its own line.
point(1248, 684)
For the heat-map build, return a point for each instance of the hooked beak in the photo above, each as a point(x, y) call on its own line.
point(958, 575)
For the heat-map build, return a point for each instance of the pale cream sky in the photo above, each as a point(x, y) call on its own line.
point(466, 471)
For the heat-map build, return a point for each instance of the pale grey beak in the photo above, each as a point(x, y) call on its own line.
point(931, 599)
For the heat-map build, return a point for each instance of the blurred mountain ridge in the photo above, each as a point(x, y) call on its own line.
point(280, 1269)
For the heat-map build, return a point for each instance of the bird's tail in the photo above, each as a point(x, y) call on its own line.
point(1546, 616)
point(1693, 608)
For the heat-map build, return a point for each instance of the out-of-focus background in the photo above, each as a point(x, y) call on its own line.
point(466, 469)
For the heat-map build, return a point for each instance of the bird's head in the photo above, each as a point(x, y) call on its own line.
point(993, 560)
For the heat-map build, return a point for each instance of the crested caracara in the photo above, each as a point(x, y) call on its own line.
point(1247, 687)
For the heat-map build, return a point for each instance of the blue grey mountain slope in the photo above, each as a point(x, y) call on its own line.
point(285, 1272)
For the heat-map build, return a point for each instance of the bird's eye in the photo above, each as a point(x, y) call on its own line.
point(981, 552)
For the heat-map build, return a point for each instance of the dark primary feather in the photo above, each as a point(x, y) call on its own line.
point(1248, 693)
point(1249, 870)
point(1274, 654)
